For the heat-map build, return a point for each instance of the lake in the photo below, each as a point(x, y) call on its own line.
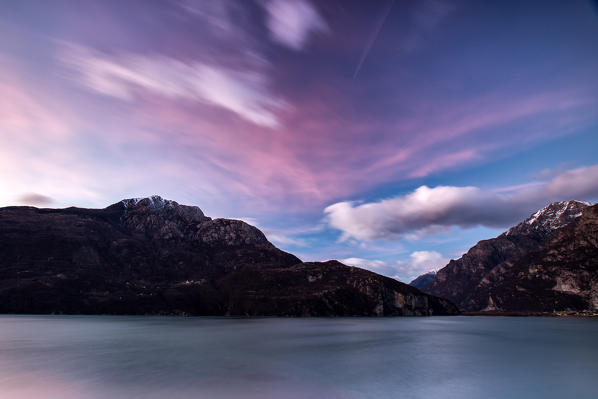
point(198, 357)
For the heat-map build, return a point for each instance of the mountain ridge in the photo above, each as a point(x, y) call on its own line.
point(154, 256)
point(553, 216)
point(530, 268)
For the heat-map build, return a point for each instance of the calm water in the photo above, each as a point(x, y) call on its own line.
point(163, 357)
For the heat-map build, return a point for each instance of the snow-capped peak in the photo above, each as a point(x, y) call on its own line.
point(154, 202)
point(156, 205)
point(551, 217)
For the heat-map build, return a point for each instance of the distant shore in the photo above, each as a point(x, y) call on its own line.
point(532, 314)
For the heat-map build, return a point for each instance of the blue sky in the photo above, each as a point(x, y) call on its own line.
point(391, 134)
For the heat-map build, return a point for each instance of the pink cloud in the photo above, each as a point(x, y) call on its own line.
point(223, 133)
point(196, 152)
point(122, 76)
point(444, 162)
point(444, 122)
point(291, 22)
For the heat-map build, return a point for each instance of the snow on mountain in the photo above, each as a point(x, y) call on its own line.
point(154, 202)
point(551, 217)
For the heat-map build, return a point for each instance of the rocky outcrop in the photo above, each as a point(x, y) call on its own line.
point(546, 264)
point(154, 256)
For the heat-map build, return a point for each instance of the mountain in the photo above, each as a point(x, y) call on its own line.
point(154, 256)
point(546, 264)
point(423, 280)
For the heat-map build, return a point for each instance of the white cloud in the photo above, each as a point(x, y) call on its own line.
point(377, 266)
point(429, 209)
point(419, 262)
point(285, 240)
point(123, 76)
point(292, 21)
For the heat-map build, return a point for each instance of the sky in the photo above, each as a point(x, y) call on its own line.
point(392, 135)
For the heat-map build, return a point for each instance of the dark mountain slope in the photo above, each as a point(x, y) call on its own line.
point(547, 263)
point(154, 256)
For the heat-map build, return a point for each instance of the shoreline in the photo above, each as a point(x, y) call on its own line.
point(533, 314)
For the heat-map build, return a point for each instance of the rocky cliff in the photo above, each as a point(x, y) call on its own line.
point(154, 256)
point(546, 264)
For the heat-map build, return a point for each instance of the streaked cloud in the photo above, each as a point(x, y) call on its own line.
point(127, 75)
point(444, 162)
point(291, 22)
point(427, 209)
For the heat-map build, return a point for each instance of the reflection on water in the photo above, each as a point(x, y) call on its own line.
point(62, 357)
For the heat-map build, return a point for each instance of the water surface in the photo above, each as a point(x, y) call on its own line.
point(92, 357)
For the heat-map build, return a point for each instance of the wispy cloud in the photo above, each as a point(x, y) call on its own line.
point(450, 135)
point(291, 22)
point(209, 91)
point(128, 75)
point(444, 162)
point(427, 209)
